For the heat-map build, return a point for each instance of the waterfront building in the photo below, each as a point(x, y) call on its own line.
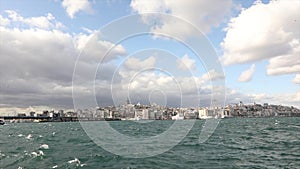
point(224, 113)
point(178, 116)
point(203, 113)
point(61, 113)
point(46, 113)
point(32, 113)
point(100, 113)
point(158, 115)
point(73, 114)
point(145, 114)
point(21, 114)
point(190, 114)
point(138, 113)
point(152, 113)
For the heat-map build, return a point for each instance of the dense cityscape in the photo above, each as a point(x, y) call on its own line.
point(138, 111)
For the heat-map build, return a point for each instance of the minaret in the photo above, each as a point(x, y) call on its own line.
point(127, 101)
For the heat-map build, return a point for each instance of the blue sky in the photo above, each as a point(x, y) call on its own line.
point(256, 42)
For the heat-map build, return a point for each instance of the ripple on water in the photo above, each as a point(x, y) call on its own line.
point(236, 143)
point(77, 162)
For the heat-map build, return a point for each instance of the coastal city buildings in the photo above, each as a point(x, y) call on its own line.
point(138, 111)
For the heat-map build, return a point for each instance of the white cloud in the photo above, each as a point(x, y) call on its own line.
point(140, 85)
point(72, 7)
point(35, 53)
point(203, 14)
point(4, 21)
point(137, 64)
point(212, 75)
point(41, 22)
point(186, 63)
point(246, 76)
point(285, 64)
point(149, 6)
point(93, 49)
point(297, 79)
point(264, 31)
point(296, 98)
point(36, 65)
point(14, 16)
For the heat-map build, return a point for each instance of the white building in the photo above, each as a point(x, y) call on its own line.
point(203, 114)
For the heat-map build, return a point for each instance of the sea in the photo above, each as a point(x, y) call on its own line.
point(235, 143)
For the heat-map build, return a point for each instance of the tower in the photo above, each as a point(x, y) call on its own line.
point(127, 101)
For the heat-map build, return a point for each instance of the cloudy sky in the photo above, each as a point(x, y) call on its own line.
point(57, 53)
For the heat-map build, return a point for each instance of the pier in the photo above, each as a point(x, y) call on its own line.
point(18, 119)
point(38, 119)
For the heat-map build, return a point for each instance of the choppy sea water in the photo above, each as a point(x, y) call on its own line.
point(236, 143)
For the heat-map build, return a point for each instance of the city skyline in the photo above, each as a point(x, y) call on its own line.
point(256, 42)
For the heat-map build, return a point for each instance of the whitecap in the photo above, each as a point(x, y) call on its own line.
point(29, 136)
point(20, 135)
point(34, 154)
point(2, 155)
point(55, 166)
point(53, 133)
point(74, 161)
point(41, 153)
point(44, 146)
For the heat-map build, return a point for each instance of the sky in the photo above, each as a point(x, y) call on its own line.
point(196, 53)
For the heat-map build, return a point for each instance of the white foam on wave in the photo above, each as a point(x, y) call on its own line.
point(41, 153)
point(81, 165)
point(44, 146)
point(77, 162)
point(74, 161)
point(55, 166)
point(1, 154)
point(29, 136)
point(35, 154)
point(53, 133)
point(20, 135)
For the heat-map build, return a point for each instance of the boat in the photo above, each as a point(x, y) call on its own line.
point(2, 122)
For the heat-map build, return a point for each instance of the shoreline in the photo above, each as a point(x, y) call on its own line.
point(74, 119)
